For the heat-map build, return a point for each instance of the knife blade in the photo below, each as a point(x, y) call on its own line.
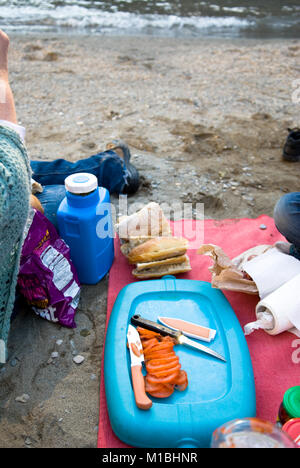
point(137, 359)
point(179, 337)
point(189, 329)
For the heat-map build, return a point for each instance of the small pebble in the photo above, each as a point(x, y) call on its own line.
point(54, 355)
point(72, 344)
point(27, 441)
point(23, 398)
point(59, 342)
point(14, 362)
point(78, 359)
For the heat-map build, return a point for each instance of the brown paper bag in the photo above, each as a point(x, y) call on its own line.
point(228, 274)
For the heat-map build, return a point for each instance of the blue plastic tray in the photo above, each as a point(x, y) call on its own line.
point(217, 392)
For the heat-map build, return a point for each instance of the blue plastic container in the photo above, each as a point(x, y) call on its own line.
point(85, 224)
point(217, 391)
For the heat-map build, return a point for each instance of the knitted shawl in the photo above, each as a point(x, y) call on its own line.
point(15, 189)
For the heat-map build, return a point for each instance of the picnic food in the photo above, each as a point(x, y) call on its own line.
point(172, 266)
point(158, 248)
point(147, 242)
point(36, 204)
point(149, 221)
point(164, 373)
point(129, 244)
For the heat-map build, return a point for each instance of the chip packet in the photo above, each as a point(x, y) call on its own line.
point(47, 277)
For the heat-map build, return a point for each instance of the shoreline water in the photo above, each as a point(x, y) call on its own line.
point(51, 35)
point(206, 121)
point(166, 18)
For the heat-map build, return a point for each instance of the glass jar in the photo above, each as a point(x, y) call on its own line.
point(292, 428)
point(251, 433)
point(290, 406)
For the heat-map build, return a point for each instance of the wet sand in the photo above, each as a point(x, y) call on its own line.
point(206, 122)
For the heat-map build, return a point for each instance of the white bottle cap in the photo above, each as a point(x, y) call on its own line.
point(81, 183)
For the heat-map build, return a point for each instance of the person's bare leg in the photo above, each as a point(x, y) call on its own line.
point(7, 104)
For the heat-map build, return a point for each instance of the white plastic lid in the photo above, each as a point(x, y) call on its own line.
point(81, 183)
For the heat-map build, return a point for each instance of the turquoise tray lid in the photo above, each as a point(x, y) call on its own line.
point(217, 391)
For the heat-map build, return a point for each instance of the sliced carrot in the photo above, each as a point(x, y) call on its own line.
point(165, 372)
point(152, 367)
point(165, 359)
point(182, 377)
point(149, 387)
point(144, 332)
point(163, 368)
point(149, 344)
point(181, 381)
point(165, 392)
point(166, 379)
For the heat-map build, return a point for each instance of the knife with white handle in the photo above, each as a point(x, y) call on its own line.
point(137, 359)
point(179, 337)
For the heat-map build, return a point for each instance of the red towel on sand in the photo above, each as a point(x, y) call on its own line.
point(274, 369)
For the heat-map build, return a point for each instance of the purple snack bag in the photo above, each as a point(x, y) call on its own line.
point(47, 277)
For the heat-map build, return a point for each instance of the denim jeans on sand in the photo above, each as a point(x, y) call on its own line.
point(287, 220)
point(108, 167)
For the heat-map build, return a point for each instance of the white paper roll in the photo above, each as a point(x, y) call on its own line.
point(271, 270)
point(284, 305)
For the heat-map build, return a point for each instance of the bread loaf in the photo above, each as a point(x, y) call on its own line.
point(158, 248)
point(147, 241)
point(162, 270)
point(128, 245)
point(168, 261)
point(149, 221)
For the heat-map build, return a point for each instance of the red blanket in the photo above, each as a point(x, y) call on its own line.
point(275, 369)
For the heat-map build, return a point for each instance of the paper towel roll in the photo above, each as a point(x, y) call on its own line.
point(272, 270)
point(284, 305)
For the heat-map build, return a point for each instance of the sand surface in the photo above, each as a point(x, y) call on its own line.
point(206, 122)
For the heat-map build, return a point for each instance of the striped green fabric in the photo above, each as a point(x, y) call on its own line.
point(15, 189)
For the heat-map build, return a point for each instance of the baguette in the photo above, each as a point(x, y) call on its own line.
point(158, 248)
point(158, 272)
point(167, 261)
point(128, 245)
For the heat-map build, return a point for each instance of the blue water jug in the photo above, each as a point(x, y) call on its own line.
point(85, 224)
